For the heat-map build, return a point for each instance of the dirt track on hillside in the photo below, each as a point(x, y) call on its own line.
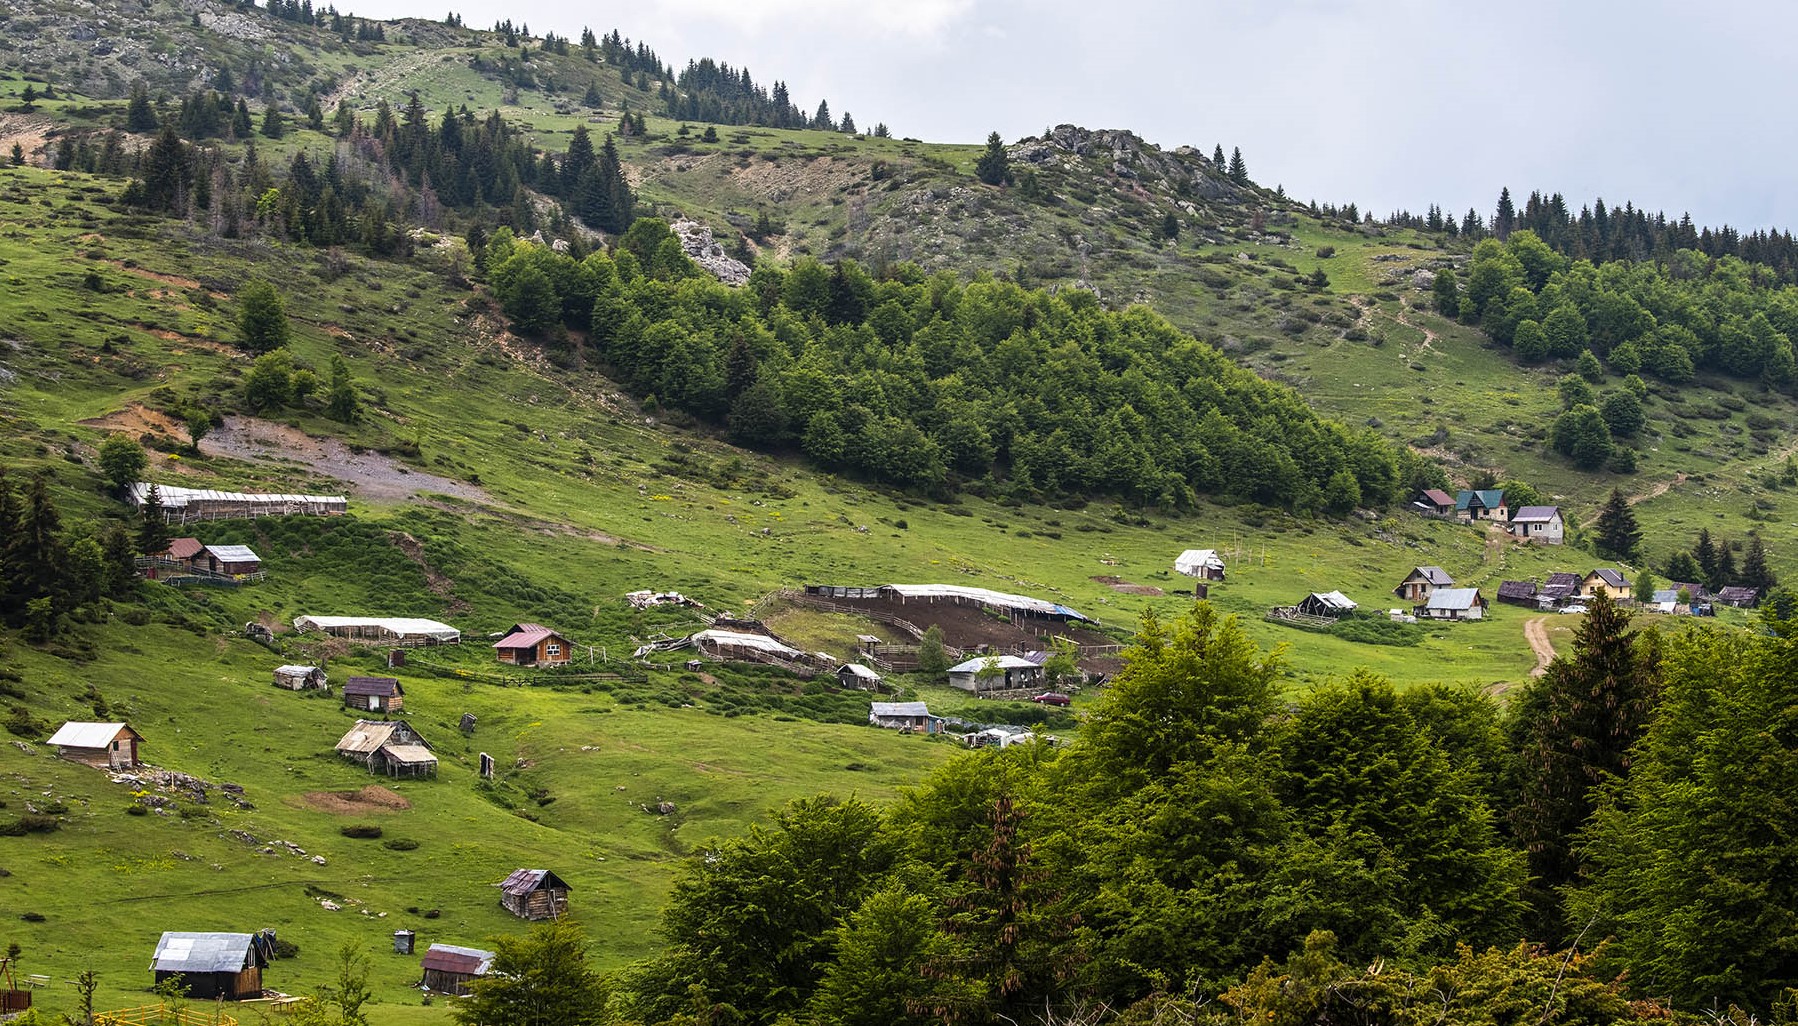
point(1535, 631)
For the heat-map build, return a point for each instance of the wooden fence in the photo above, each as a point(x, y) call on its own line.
point(174, 571)
point(1291, 617)
point(163, 1015)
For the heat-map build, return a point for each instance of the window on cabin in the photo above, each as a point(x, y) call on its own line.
point(554, 649)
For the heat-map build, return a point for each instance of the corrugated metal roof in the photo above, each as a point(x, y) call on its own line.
point(294, 670)
point(87, 735)
point(1007, 662)
point(898, 709)
point(408, 753)
point(366, 737)
point(1612, 578)
point(401, 626)
point(734, 639)
point(1438, 497)
point(448, 958)
point(185, 548)
point(858, 670)
point(524, 881)
point(233, 554)
point(175, 496)
point(1454, 598)
point(1194, 560)
point(1333, 600)
point(527, 638)
point(204, 953)
point(1533, 514)
point(984, 595)
point(382, 687)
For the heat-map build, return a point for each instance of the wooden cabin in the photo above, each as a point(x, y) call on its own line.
point(1518, 593)
point(1422, 580)
point(532, 644)
point(1436, 502)
point(388, 746)
point(301, 678)
point(1740, 596)
point(1483, 504)
point(534, 894)
point(374, 694)
point(229, 561)
point(214, 965)
point(1454, 604)
point(450, 969)
point(912, 717)
point(102, 745)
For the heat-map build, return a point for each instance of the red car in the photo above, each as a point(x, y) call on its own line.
point(1052, 698)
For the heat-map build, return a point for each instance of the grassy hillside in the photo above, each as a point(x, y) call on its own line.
point(489, 486)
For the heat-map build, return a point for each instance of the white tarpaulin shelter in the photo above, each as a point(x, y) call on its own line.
point(399, 630)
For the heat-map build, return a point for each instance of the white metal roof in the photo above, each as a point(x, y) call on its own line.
point(986, 595)
point(233, 553)
point(1008, 662)
point(203, 953)
point(898, 709)
point(176, 496)
point(86, 735)
point(294, 670)
point(400, 625)
point(858, 670)
point(1193, 560)
point(736, 639)
point(1334, 599)
point(1453, 598)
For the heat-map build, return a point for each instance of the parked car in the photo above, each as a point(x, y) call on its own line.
point(1052, 698)
point(1575, 608)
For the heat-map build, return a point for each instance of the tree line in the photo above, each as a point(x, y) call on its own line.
point(1209, 852)
point(50, 570)
point(934, 383)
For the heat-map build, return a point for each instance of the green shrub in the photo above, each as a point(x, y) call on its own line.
point(367, 831)
point(1375, 630)
point(399, 844)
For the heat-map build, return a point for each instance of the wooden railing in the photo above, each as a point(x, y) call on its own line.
point(1290, 616)
point(163, 1015)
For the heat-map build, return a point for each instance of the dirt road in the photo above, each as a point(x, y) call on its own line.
point(1535, 631)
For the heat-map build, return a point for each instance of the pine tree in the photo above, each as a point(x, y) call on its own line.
point(1239, 171)
point(1618, 534)
point(1217, 159)
point(822, 120)
point(1726, 568)
point(1755, 573)
point(994, 166)
point(1505, 220)
point(1573, 730)
point(273, 125)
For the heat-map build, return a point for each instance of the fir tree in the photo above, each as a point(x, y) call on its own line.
point(273, 125)
point(1704, 551)
point(1239, 171)
point(994, 166)
point(1618, 534)
point(1755, 573)
point(139, 115)
point(1505, 220)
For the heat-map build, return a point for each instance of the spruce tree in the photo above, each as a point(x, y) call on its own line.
point(1755, 573)
point(139, 115)
point(993, 167)
point(1618, 534)
point(1704, 551)
point(1239, 171)
point(1573, 730)
point(1217, 158)
point(273, 125)
point(1505, 220)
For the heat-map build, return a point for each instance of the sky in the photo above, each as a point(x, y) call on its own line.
point(1390, 104)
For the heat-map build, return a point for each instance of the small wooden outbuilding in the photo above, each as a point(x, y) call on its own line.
point(102, 745)
point(532, 644)
point(374, 694)
point(906, 716)
point(301, 678)
point(534, 894)
point(450, 969)
point(855, 675)
point(1739, 596)
point(214, 965)
point(388, 746)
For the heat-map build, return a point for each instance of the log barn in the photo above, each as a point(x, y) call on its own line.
point(534, 894)
point(374, 694)
point(214, 965)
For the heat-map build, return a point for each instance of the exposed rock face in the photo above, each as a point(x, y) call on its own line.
point(697, 240)
point(1128, 156)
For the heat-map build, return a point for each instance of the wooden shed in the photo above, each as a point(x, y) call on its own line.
point(374, 694)
point(534, 894)
point(388, 746)
point(301, 678)
point(450, 969)
point(532, 644)
point(911, 717)
point(995, 673)
point(855, 675)
point(104, 745)
point(214, 965)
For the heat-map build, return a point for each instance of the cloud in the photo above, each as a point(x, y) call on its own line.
point(915, 19)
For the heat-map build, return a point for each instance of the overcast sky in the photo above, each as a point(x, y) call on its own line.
point(1387, 103)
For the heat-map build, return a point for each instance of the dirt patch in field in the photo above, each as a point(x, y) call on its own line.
point(136, 421)
point(1118, 584)
point(369, 475)
point(166, 279)
point(27, 130)
point(373, 798)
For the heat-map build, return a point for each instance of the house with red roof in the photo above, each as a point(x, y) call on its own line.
point(532, 644)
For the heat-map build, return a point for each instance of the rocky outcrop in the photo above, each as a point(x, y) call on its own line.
point(697, 240)
point(1125, 155)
